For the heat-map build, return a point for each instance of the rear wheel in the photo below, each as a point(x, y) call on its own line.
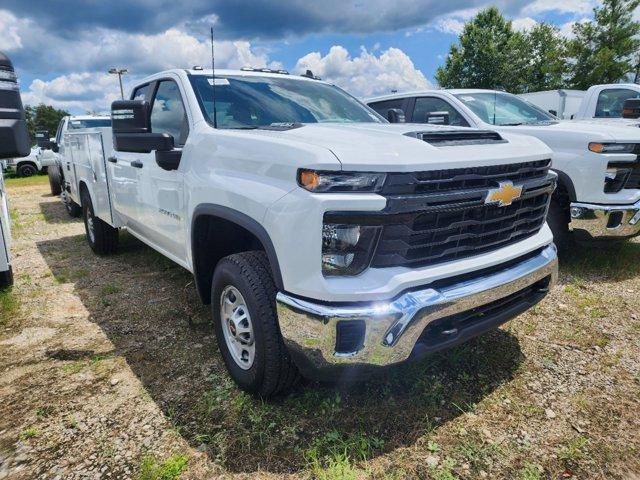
point(26, 170)
point(102, 237)
point(55, 180)
point(244, 313)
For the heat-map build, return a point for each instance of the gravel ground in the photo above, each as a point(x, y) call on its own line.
point(109, 369)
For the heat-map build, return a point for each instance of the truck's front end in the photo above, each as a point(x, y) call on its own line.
point(419, 243)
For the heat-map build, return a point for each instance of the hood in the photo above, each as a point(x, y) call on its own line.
point(564, 132)
point(385, 147)
point(616, 122)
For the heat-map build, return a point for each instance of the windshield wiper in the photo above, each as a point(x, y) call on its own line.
point(515, 124)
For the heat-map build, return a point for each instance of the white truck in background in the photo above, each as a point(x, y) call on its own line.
point(601, 103)
point(323, 238)
point(14, 143)
point(598, 194)
point(57, 148)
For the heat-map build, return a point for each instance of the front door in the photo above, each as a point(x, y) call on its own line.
point(161, 191)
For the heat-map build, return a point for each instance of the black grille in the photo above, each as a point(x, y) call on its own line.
point(440, 216)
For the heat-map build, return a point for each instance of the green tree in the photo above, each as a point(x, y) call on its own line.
point(488, 55)
point(43, 117)
point(605, 50)
point(545, 52)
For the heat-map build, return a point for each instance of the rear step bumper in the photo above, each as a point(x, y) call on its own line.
point(322, 336)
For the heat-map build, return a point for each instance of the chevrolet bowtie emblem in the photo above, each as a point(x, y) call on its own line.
point(504, 195)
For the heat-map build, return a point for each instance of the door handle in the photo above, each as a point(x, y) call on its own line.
point(137, 164)
point(112, 160)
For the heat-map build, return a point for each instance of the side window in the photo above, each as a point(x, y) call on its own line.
point(426, 105)
point(611, 101)
point(383, 107)
point(140, 93)
point(168, 114)
point(59, 132)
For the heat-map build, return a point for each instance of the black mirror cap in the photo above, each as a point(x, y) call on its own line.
point(130, 116)
point(142, 142)
point(14, 138)
point(169, 160)
point(395, 115)
point(631, 108)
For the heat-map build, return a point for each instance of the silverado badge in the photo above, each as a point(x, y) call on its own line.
point(504, 195)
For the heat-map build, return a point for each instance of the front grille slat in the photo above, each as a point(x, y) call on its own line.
point(439, 216)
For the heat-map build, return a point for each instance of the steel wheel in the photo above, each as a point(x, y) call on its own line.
point(237, 327)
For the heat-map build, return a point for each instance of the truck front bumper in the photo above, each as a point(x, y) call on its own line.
point(324, 336)
point(600, 222)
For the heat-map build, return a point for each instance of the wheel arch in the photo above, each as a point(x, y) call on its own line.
point(565, 183)
point(244, 231)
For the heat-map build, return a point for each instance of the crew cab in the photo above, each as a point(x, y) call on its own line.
point(324, 238)
point(600, 103)
point(14, 143)
point(598, 194)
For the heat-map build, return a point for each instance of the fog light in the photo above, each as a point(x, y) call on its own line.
point(346, 249)
point(578, 212)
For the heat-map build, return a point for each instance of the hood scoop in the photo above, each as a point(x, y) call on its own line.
point(451, 138)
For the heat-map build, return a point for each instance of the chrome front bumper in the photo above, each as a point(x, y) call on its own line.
point(599, 222)
point(392, 330)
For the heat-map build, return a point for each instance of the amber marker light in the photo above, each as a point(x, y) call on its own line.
point(596, 147)
point(309, 179)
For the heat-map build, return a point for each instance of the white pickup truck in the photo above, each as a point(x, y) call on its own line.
point(600, 103)
point(598, 194)
point(322, 237)
point(14, 143)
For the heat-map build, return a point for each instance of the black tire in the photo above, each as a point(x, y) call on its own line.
point(273, 371)
point(26, 170)
point(104, 240)
point(55, 180)
point(558, 219)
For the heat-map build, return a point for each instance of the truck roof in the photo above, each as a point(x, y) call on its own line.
point(230, 72)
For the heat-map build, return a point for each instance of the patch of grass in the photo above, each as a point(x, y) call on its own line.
point(73, 367)
point(109, 289)
point(574, 450)
point(9, 306)
point(476, 453)
point(530, 472)
point(31, 432)
point(170, 469)
point(44, 411)
point(334, 450)
point(11, 180)
point(444, 471)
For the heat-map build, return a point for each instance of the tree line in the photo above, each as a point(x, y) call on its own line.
point(491, 54)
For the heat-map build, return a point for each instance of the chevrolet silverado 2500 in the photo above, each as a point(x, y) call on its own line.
point(14, 143)
point(598, 194)
point(323, 237)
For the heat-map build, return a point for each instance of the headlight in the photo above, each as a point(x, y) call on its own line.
point(613, 147)
point(347, 249)
point(323, 181)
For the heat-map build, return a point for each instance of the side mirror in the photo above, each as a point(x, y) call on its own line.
point(631, 108)
point(14, 138)
point(132, 128)
point(395, 115)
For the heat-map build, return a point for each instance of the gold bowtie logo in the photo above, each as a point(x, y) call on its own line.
point(504, 195)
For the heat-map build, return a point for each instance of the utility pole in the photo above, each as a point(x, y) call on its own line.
point(119, 72)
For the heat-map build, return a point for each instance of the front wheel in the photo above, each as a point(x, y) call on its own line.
point(102, 237)
point(26, 170)
point(244, 313)
point(558, 219)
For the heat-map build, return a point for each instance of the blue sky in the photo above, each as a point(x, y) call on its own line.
point(62, 49)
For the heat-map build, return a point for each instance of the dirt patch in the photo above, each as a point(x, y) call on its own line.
point(110, 370)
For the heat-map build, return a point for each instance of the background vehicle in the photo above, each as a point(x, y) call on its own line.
point(321, 236)
point(14, 142)
point(57, 147)
point(598, 194)
point(602, 103)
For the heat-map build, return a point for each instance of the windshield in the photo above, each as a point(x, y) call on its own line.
point(611, 102)
point(89, 123)
point(256, 101)
point(504, 109)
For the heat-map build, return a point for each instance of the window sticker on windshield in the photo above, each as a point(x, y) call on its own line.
point(467, 99)
point(76, 122)
point(219, 81)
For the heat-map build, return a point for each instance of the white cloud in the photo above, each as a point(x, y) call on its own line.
point(366, 74)
point(523, 24)
point(566, 29)
point(450, 25)
point(578, 7)
point(10, 26)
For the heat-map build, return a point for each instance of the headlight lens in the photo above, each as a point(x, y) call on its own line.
point(612, 147)
point(347, 249)
point(323, 181)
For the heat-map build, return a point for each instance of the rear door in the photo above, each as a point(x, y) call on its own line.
point(124, 175)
